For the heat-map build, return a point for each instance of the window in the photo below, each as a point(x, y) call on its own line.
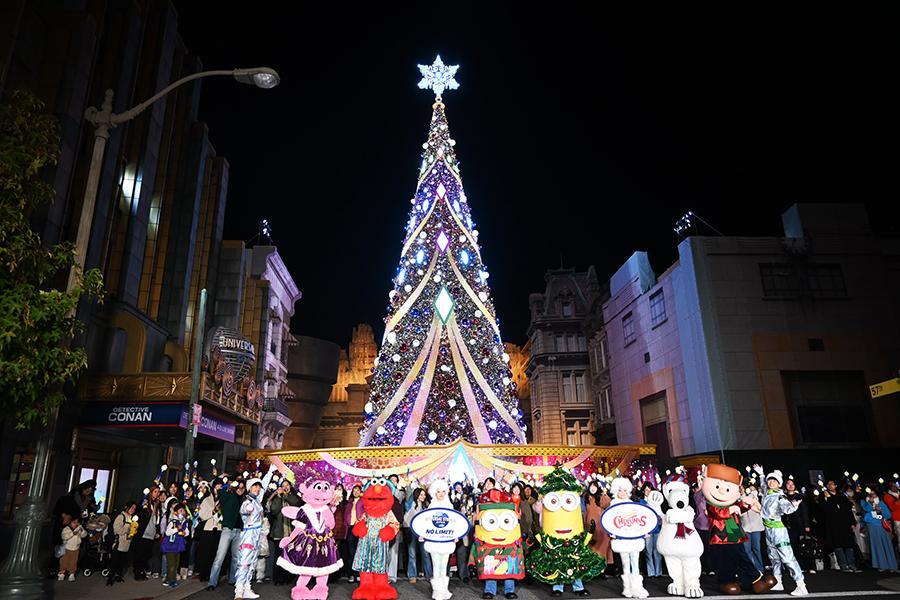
point(568, 309)
point(561, 345)
point(606, 408)
point(828, 407)
point(779, 281)
point(655, 417)
point(604, 353)
point(574, 387)
point(657, 308)
point(827, 281)
point(628, 330)
point(578, 427)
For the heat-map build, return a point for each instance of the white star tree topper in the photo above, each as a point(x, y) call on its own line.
point(438, 77)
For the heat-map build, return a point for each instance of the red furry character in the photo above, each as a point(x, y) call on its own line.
point(375, 530)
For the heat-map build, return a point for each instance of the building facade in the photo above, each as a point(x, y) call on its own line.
point(562, 392)
point(760, 343)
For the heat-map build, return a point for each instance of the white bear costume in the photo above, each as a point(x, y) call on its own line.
point(678, 542)
point(628, 550)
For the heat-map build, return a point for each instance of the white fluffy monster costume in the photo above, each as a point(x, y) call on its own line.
point(678, 542)
point(629, 551)
point(440, 551)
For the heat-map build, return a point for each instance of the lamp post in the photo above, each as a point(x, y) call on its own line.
point(20, 575)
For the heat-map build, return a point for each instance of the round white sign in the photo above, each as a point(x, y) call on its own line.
point(440, 525)
point(629, 520)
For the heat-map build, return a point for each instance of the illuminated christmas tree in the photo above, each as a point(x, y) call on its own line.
point(442, 373)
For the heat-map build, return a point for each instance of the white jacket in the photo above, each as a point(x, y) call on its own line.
point(72, 537)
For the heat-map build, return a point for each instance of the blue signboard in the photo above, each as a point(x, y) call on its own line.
point(151, 414)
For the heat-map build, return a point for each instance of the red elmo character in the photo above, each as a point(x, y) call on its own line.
point(375, 529)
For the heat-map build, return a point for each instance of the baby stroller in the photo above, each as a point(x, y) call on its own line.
point(97, 547)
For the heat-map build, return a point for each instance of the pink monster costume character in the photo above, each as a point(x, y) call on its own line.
point(310, 552)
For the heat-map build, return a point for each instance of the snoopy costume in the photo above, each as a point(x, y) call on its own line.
point(628, 550)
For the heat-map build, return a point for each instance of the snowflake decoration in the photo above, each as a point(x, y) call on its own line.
point(438, 77)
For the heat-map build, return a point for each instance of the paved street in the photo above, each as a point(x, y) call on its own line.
point(828, 585)
point(821, 585)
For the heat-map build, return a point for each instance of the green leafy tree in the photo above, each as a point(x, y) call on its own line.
point(37, 322)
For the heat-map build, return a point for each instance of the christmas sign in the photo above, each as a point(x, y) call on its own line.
point(629, 520)
point(440, 525)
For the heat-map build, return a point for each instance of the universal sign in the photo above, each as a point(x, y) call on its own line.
point(440, 525)
point(629, 520)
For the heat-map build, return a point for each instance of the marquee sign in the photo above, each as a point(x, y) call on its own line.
point(629, 520)
point(152, 414)
point(440, 525)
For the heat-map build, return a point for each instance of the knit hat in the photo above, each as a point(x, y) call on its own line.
point(725, 473)
point(776, 475)
point(560, 480)
point(619, 483)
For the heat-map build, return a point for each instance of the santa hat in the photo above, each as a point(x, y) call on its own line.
point(619, 483)
point(777, 476)
point(495, 499)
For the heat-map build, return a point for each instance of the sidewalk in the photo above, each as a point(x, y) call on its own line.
point(95, 588)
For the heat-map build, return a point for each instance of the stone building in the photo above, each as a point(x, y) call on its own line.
point(562, 388)
point(748, 345)
point(344, 414)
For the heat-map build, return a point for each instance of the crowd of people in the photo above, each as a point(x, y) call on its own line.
point(199, 529)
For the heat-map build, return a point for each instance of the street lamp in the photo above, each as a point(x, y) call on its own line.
point(20, 576)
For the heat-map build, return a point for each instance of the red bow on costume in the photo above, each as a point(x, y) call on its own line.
point(683, 531)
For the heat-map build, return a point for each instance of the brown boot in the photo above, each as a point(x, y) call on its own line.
point(764, 584)
point(732, 589)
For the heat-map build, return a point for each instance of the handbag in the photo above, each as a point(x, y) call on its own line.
point(59, 551)
point(887, 526)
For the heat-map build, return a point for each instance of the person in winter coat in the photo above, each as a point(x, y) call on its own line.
point(147, 534)
point(652, 557)
point(798, 524)
point(230, 500)
point(595, 502)
point(280, 528)
point(124, 528)
point(72, 535)
point(416, 545)
point(752, 523)
point(174, 542)
point(877, 519)
point(464, 503)
point(209, 527)
point(778, 542)
point(353, 513)
point(892, 502)
point(251, 512)
point(838, 521)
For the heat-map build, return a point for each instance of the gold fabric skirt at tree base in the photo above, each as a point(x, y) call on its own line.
point(458, 460)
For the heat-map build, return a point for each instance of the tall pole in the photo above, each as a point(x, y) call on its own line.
point(20, 575)
point(195, 382)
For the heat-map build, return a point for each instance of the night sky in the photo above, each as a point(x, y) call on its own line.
point(582, 136)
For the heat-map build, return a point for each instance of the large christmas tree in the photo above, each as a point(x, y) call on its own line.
point(442, 373)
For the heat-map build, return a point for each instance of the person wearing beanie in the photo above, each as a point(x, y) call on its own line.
point(629, 551)
point(775, 506)
point(734, 569)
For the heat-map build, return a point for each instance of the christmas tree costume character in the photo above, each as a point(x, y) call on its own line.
point(722, 490)
point(628, 550)
point(440, 552)
point(251, 512)
point(678, 542)
point(775, 506)
point(497, 550)
point(377, 527)
point(563, 555)
point(311, 551)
